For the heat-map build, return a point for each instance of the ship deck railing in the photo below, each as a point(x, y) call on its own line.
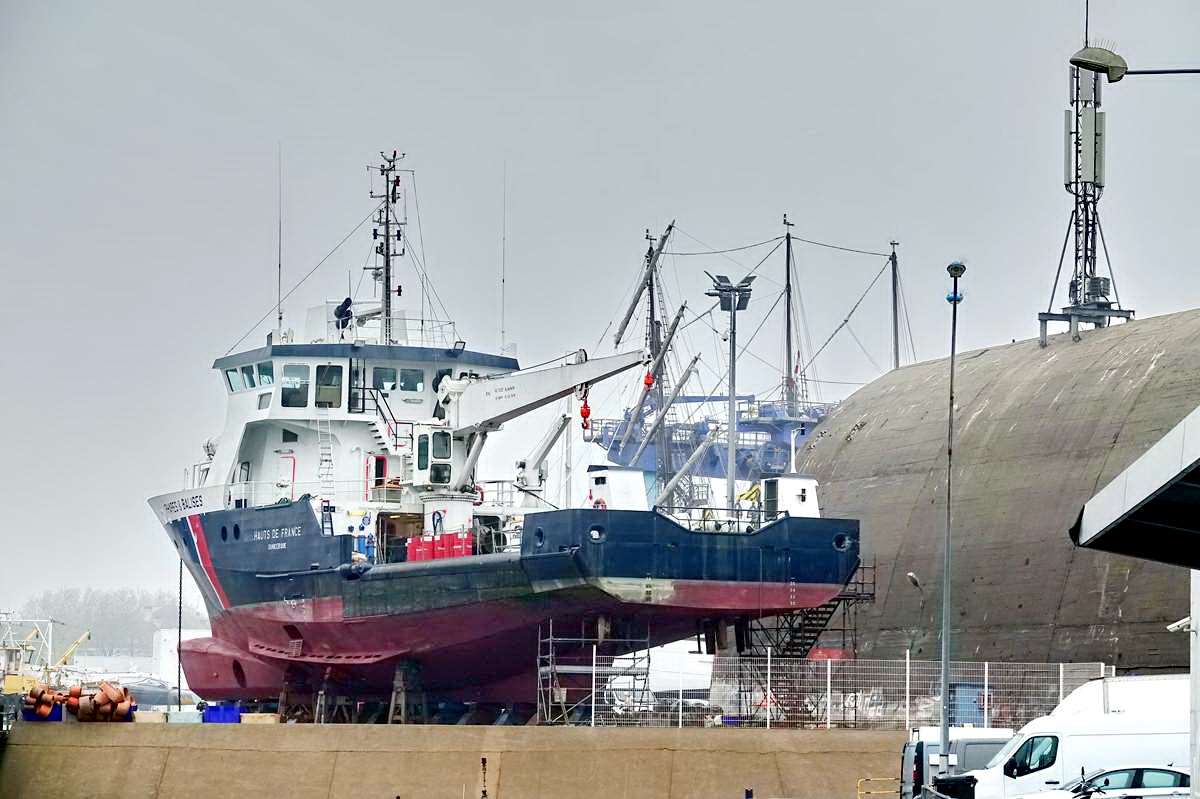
point(404, 330)
point(492, 495)
point(338, 492)
point(720, 520)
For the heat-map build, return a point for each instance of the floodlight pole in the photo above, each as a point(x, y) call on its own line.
point(956, 271)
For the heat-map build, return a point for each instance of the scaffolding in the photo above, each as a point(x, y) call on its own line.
point(594, 675)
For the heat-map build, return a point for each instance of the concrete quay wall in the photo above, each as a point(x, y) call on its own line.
point(363, 762)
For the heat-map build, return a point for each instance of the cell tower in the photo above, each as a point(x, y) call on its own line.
point(1083, 177)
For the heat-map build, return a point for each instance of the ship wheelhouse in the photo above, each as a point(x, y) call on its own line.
point(352, 426)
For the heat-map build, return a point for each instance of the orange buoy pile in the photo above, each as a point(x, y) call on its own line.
point(109, 702)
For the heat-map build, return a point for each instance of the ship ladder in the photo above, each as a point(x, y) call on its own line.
point(325, 468)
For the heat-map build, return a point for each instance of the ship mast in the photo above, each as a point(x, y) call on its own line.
point(789, 377)
point(895, 264)
point(387, 219)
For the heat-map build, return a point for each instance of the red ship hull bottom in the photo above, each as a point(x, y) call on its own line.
point(484, 651)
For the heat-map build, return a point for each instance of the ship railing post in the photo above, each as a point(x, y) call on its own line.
point(907, 691)
point(681, 699)
point(770, 698)
point(1060, 682)
point(828, 693)
point(593, 714)
point(986, 697)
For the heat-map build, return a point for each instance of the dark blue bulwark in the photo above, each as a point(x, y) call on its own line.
point(374, 352)
point(616, 543)
point(246, 545)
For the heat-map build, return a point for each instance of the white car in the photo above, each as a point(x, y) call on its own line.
point(1134, 781)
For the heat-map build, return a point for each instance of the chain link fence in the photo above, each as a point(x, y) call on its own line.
point(791, 693)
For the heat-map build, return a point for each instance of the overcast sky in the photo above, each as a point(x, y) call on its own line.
point(137, 203)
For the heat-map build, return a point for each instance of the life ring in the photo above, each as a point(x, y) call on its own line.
point(478, 496)
point(600, 504)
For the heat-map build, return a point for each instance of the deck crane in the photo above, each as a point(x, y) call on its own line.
point(476, 406)
point(531, 471)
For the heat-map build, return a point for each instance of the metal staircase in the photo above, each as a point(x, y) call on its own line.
point(795, 634)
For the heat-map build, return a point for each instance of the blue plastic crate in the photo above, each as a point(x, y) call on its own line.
point(222, 714)
point(56, 714)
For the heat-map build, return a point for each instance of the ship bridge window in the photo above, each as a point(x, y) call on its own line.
point(439, 473)
point(383, 378)
point(266, 373)
point(248, 376)
point(412, 380)
point(422, 452)
point(441, 445)
point(294, 388)
point(329, 386)
point(233, 378)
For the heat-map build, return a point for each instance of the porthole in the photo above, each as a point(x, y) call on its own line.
point(239, 674)
point(841, 542)
point(539, 537)
point(224, 533)
point(596, 534)
point(237, 532)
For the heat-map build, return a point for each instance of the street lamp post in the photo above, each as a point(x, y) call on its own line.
point(1113, 66)
point(732, 299)
point(956, 270)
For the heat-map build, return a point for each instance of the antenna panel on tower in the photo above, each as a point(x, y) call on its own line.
point(1068, 148)
point(1099, 148)
point(1089, 144)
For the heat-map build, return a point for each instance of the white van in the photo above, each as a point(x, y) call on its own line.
point(1050, 751)
point(970, 748)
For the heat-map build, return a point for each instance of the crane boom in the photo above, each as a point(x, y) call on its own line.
point(651, 264)
point(529, 470)
point(484, 404)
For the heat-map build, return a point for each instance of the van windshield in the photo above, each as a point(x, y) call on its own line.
point(1006, 751)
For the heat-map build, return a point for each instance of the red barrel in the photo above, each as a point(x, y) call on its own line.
point(464, 544)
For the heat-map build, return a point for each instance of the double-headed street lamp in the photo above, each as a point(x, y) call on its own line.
point(732, 299)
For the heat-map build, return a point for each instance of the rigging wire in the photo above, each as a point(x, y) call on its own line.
point(722, 252)
point(839, 247)
point(857, 341)
point(766, 316)
point(307, 275)
point(907, 319)
point(423, 273)
point(853, 308)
